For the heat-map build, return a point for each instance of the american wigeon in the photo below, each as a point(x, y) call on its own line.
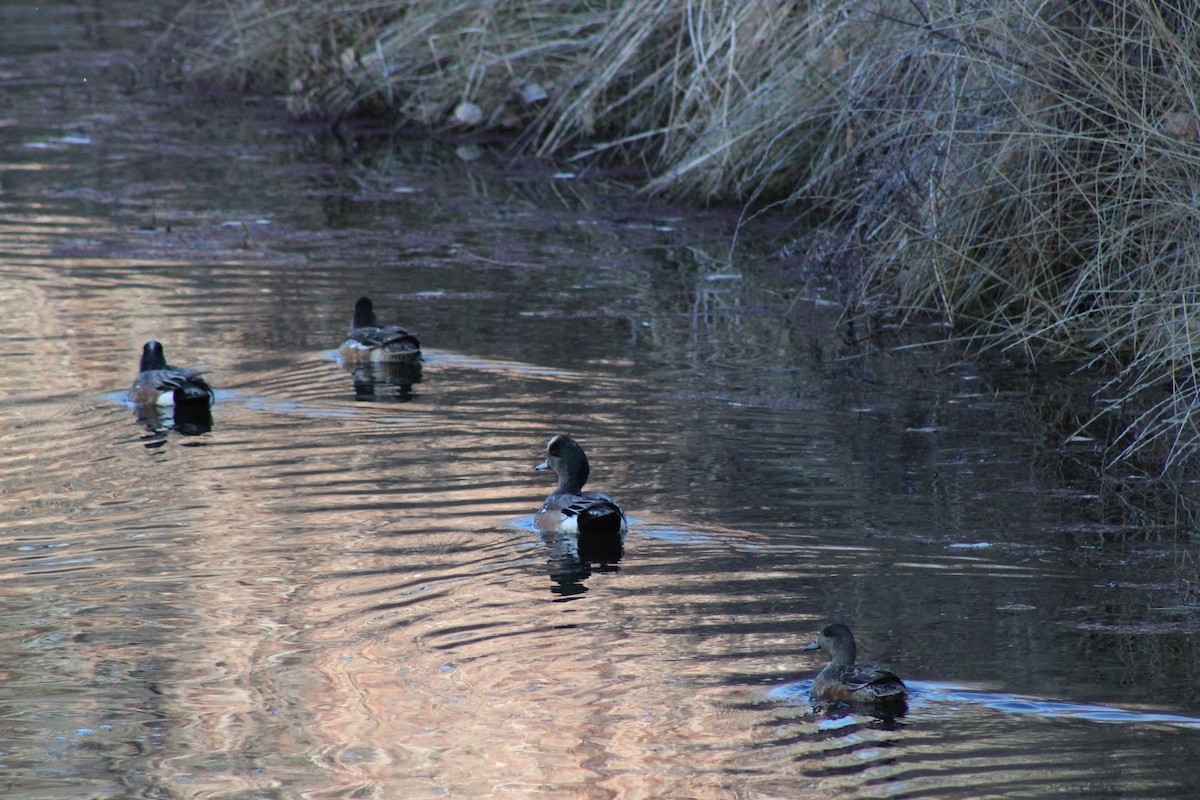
point(570, 509)
point(368, 341)
point(159, 383)
point(847, 682)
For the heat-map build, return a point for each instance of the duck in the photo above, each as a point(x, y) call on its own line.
point(569, 509)
point(160, 384)
point(844, 681)
point(370, 342)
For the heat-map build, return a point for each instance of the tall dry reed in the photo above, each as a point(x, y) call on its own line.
point(1026, 170)
point(1030, 171)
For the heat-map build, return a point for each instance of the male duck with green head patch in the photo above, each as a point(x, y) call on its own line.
point(570, 509)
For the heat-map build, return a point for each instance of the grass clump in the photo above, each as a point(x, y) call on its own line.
point(416, 60)
point(1029, 171)
point(694, 90)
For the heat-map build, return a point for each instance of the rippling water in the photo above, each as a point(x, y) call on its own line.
point(323, 595)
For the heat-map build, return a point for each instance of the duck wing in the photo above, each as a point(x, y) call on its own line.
point(873, 678)
point(392, 339)
point(383, 336)
point(594, 515)
point(187, 384)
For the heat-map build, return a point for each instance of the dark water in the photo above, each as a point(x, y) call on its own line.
point(328, 596)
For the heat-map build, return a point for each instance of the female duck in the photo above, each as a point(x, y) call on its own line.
point(847, 682)
point(159, 383)
point(368, 341)
point(570, 509)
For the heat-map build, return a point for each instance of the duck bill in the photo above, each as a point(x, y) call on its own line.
point(812, 646)
point(543, 465)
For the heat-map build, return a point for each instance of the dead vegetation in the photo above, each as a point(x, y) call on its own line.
point(1029, 171)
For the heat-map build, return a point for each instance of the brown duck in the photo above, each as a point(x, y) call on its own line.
point(370, 342)
point(845, 681)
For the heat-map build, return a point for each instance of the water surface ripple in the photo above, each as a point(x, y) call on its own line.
point(316, 593)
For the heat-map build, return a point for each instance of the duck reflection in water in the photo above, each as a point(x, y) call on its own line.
point(847, 685)
point(582, 528)
point(374, 354)
point(367, 377)
point(573, 559)
point(187, 420)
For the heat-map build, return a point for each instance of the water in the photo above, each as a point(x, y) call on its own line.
point(328, 596)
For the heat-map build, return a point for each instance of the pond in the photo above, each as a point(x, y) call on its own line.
point(325, 592)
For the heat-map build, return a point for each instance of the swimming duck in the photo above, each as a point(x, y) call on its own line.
point(158, 383)
point(847, 682)
point(368, 341)
point(570, 509)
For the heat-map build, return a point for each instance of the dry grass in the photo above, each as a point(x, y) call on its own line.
point(1027, 170)
point(1031, 173)
point(418, 60)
